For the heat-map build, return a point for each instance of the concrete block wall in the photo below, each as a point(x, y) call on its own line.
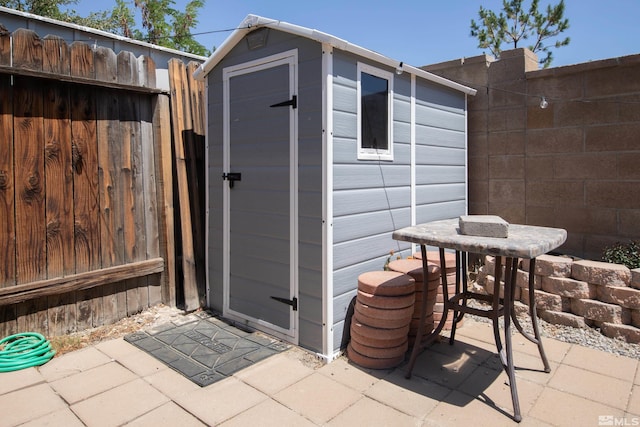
point(573, 165)
point(580, 293)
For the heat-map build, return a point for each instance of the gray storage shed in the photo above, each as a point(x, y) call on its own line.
point(317, 149)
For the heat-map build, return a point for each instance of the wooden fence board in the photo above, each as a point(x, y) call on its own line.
point(8, 320)
point(109, 159)
point(182, 129)
point(139, 292)
point(62, 312)
point(164, 181)
point(135, 245)
point(195, 154)
point(5, 46)
point(59, 203)
point(7, 218)
point(196, 100)
point(85, 167)
point(105, 64)
point(150, 213)
point(27, 50)
point(59, 181)
point(147, 71)
point(86, 280)
point(28, 142)
point(86, 204)
point(82, 60)
point(29, 204)
point(55, 55)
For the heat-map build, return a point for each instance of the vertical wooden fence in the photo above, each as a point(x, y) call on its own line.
point(86, 189)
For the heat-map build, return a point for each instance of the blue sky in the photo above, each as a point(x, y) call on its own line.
point(422, 32)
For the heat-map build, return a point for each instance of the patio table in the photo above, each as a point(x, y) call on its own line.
point(523, 242)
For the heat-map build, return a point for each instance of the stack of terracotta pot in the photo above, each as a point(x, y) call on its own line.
point(413, 268)
point(433, 257)
point(380, 324)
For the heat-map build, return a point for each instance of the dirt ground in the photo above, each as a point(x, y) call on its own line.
point(148, 318)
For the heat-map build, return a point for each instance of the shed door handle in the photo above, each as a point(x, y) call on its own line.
point(232, 177)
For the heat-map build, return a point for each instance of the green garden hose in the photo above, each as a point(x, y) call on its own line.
point(24, 350)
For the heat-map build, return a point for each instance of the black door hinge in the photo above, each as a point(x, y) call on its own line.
point(292, 302)
point(293, 102)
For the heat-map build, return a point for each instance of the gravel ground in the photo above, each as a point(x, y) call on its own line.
point(587, 337)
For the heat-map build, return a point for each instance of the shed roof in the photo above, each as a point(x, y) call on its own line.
point(252, 22)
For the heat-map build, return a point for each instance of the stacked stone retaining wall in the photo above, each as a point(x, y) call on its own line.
point(579, 293)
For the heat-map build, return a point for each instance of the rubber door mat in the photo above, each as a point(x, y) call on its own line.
point(204, 348)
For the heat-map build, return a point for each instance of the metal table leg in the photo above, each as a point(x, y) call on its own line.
point(536, 339)
point(418, 345)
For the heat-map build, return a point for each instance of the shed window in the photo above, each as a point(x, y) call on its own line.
point(375, 92)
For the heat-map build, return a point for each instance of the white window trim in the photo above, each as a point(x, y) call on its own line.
point(370, 153)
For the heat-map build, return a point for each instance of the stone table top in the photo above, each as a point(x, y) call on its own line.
point(524, 241)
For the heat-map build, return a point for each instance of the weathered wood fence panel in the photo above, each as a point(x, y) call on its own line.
point(7, 200)
point(86, 201)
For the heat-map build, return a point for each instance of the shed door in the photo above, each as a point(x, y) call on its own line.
point(260, 194)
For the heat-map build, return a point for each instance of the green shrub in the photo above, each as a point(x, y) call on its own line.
point(625, 254)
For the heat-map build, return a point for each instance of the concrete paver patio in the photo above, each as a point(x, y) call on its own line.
point(115, 383)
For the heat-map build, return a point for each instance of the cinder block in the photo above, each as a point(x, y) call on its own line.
point(521, 309)
point(490, 288)
point(555, 266)
point(507, 191)
point(562, 318)
point(635, 278)
point(507, 143)
point(611, 80)
point(538, 118)
point(601, 273)
point(555, 192)
point(600, 311)
point(522, 280)
point(507, 119)
point(620, 295)
point(590, 221)
point(628, 221)
point(539, 167)
point(490, 267)
point(635, 318)
point(506, 167)
point(627, 333)
point(481, 278)
point(555, 140)
point(585, 166)
point(567, 287)
point(544, 300)
point(628, 166)
point(603, 194)
point(489, 262)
